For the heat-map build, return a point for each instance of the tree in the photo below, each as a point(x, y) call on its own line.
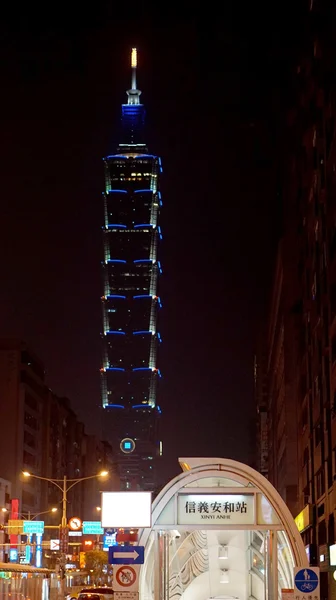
point(96, 562)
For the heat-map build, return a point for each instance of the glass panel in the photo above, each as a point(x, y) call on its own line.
point(217, 482)
point(266, 515)
point(167, 517)
point(285, 563)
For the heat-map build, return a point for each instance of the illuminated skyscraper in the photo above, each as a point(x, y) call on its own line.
point(131, 273)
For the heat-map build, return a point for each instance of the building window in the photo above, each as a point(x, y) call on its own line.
point(30, 421)
point(28, 459)
point(304, 416)
point(322, 533)
point(318, 433)
point(29, 439)
point(320, 488)
point(28, 498)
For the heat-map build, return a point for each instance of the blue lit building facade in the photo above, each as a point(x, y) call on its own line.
point(130, 301)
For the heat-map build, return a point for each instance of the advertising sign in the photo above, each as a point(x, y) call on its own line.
point(109, 540)
point(126, 509)
point(231, 509)
point(64, 539)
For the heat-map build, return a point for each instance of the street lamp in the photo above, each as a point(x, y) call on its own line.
point(62, 485)
point(30, 517)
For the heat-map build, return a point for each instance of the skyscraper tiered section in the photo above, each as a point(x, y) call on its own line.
point(130, 301)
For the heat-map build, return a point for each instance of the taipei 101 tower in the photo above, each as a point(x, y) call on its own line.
point(130, 302)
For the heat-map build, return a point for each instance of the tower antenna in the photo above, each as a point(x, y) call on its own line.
point(134, 61)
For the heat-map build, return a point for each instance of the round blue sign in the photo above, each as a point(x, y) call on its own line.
point(306, 580)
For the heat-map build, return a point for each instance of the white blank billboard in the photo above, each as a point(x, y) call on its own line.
point(126, 509)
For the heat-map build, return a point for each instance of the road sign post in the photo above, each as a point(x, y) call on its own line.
point(307, 583)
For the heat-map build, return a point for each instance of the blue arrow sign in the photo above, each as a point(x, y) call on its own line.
point(126, 555)
point(306, 580)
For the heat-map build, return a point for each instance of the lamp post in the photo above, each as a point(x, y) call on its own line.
point(31, 517)
point(64, 485)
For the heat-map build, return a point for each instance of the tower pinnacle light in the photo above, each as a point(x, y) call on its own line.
point(134, 62)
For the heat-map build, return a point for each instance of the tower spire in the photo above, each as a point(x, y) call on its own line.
point(133, 94)
point(134, 60)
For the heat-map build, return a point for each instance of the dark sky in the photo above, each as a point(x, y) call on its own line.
point(211, 86)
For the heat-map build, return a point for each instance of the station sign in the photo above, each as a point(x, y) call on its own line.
point(229, 509)
point(92, 528)
point(31, 527)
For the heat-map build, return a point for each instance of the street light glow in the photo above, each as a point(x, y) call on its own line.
point(98, 508)
point(26, 473)
point(103, 473)
point(4, 509)
point(54, 509)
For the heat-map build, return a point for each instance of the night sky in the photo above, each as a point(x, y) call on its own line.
point(213, 89)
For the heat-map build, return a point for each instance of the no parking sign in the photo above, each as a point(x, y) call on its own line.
point(126, 578)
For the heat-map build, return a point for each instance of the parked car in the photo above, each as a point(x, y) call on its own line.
point(96, 593)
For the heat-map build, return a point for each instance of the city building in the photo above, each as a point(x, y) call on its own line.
point(22, 393)
point(261, 401)
point(130, 301)
point(5, 507)
point(43, 436)
point(301, 343)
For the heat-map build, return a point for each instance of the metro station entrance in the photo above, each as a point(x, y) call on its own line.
point(220, 530)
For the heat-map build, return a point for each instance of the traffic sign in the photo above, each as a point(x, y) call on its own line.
point(307, 582)
point(54, 544)
point(75, 523)
point(31, 527)
point(14, 526)
point(126, 579)
point(92, 528)
point(126, 555)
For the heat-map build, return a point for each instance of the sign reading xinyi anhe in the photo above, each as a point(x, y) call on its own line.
point(231, 509)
